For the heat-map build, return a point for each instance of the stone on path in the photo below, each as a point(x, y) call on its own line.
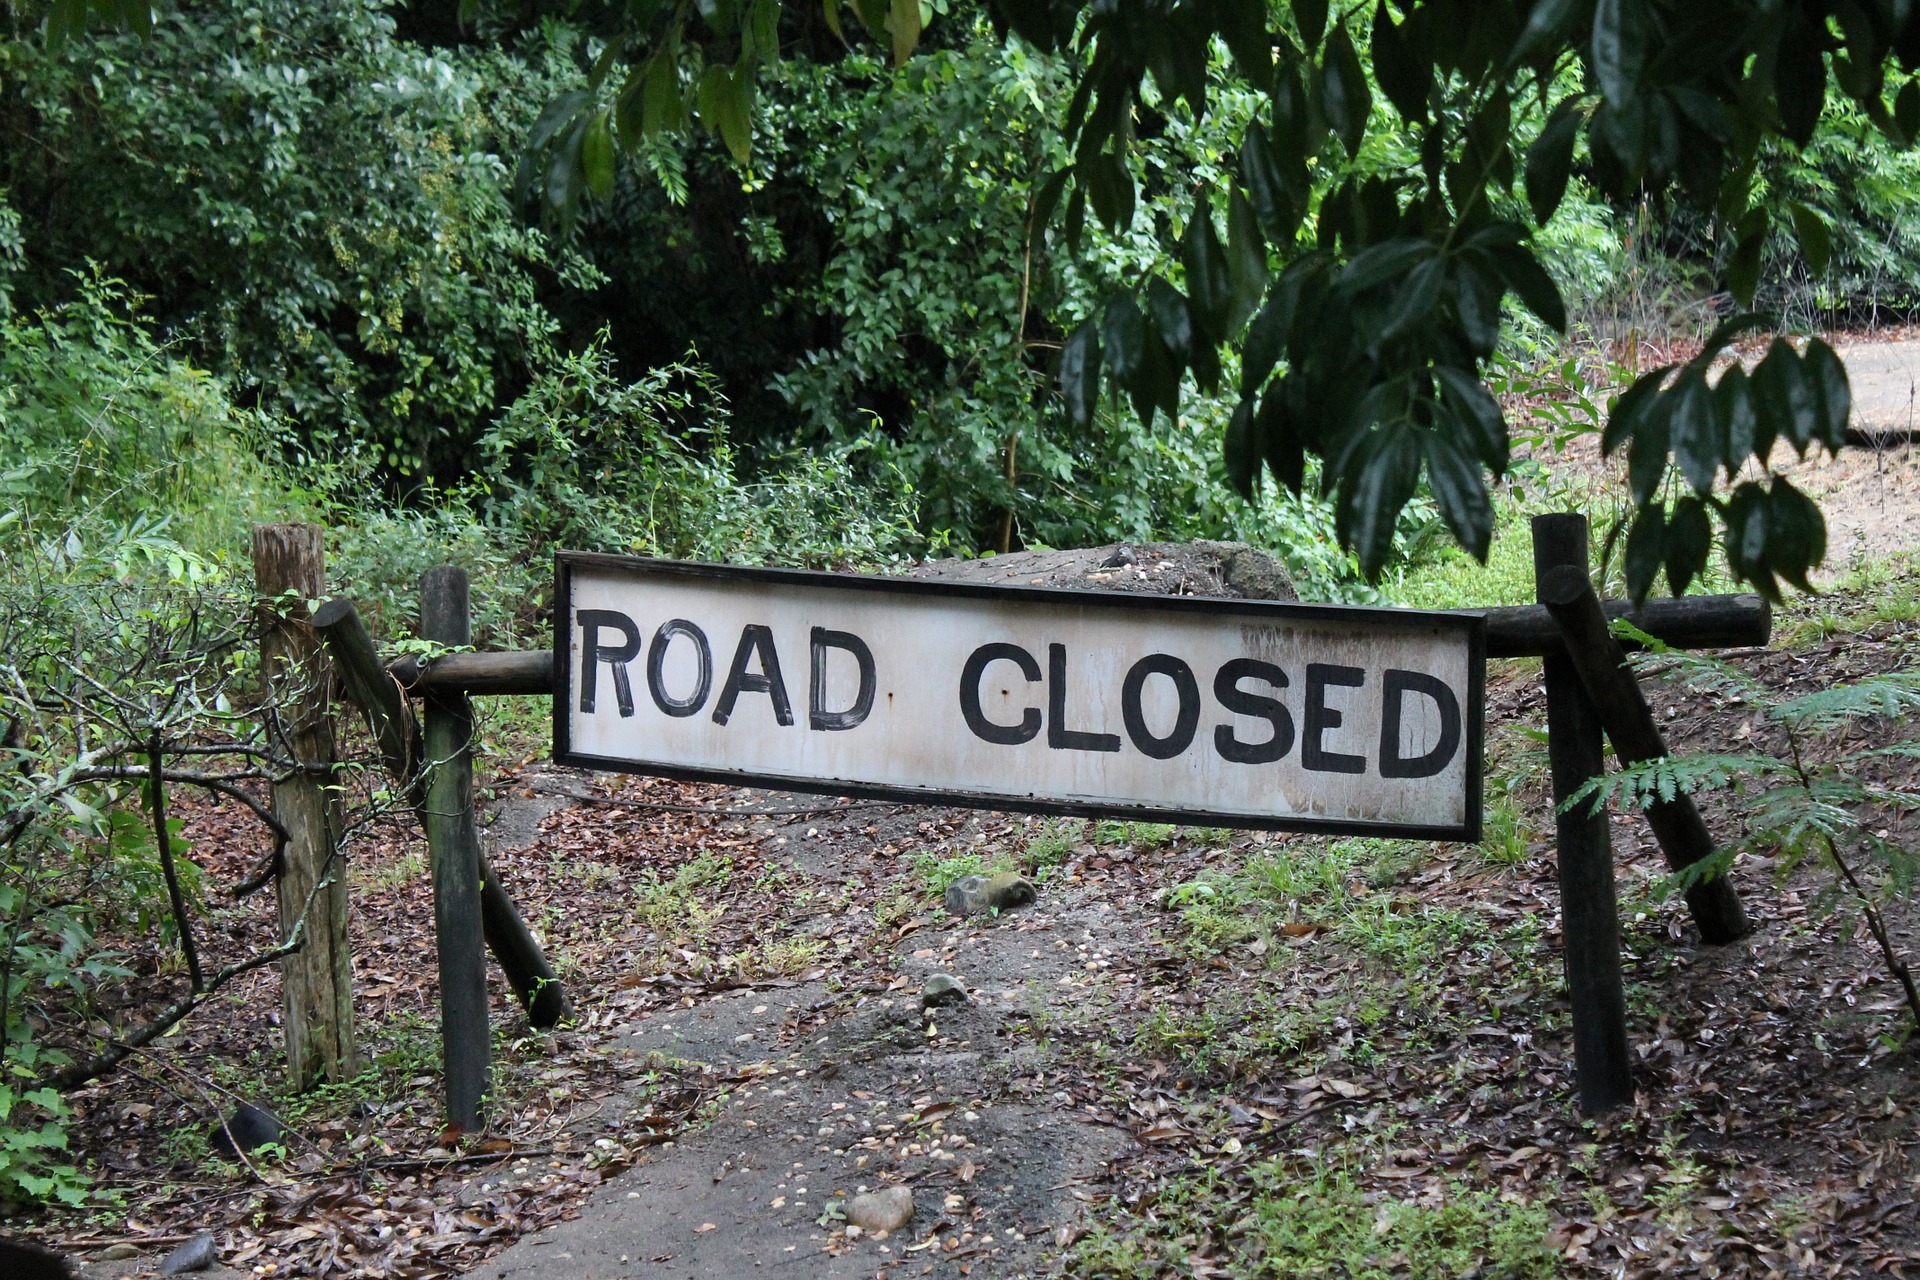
point(942, 989)
point(196, 1254)
point(879, 1212)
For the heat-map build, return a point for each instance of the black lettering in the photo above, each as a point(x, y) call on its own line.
point(755, 640)
point(817, 714)
point(1227, 690)
point(1397, 686)
point(593, 653)
point(1320, 718)
point(970, 710)
point(1185, 722)
point(1059, 737)
point(657, 665)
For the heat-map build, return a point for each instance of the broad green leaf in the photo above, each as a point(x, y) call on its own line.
point(1382, 262)
point(1622, 31)
point(1246, 260)
point(1266, 339)
point(1080, 372)
point(1310, 19)
point(1739, 426)
point(1239, 452)
point(1243, 25)
point(596, 156)
point(664, 104)
point(1260, 174)
point(1695, 430)
point(1460, 491)
point(830, 9)
point(1745, 518)
point(1414, 302)
point(1285, 454)
point(1534, 287)
point(1550, 160)
point(1209, 280)
point(1346, 100)
point(1743, 268)
point(1109, 187)
point(903, 24)
point(1172, 317)
point(1548, 23)
point(1796, 533)
point(1125, 331)
point(1477, 415)
point(1645, 547)
point(1478, 293)
point(1800, 77)
point(1816, 242)
point(1689, 541)
point(1380, 488)
point(1782, 398)
point(1401, 62)
point(1647, 452)
point(1826, 377)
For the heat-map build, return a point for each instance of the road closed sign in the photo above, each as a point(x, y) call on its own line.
point(1183, 709)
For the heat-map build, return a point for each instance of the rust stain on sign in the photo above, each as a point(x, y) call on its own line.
point(1225, 711)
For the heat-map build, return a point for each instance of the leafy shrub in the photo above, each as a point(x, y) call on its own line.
point(98, 417)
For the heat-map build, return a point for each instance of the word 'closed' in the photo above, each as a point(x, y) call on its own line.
point(1234, 712)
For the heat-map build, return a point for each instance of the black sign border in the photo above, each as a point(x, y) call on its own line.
point(1473, 624)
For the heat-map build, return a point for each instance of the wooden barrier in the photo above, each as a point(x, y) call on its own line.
point(454, 842)
point(375, 692)
point(1588, 691)
point(316, 982)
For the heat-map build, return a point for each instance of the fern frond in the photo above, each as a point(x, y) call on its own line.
point(1705, 673)
point(1652, 781)
point(1894, 694)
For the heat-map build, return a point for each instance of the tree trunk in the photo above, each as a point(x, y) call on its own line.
point(317, 980)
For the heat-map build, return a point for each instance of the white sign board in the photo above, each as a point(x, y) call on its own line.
point(1230, 712)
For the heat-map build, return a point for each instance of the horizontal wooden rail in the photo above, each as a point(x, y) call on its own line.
point(1690, 622)
point(513, 671)
point(1524, 631)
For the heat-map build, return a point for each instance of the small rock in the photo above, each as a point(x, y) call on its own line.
point(878, 1212)
point(971, 895)
point(118, 1253)
point(942, 989)
point(196, 1254)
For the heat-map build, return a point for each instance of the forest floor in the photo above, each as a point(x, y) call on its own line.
point(1198, 1053)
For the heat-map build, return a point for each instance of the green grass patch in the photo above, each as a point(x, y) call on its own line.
point(1285, 1221)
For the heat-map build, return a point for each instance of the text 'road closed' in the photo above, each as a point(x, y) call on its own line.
point(1239, 712)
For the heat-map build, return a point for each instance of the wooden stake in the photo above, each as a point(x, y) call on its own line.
point(1589, 915)
point(369, 685)
point(454, 843)
point(1622, 707)
point(317, 980)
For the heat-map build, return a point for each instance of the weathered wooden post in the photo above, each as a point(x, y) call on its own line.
point(317, 980)
point(1600, 665)
point(370, 686)
point(454, 843)
point(1589, 913)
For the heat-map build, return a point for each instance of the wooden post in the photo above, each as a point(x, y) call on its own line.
point(373, 689)
point(316, 981)
point(454, 844)
point(1601, 664)
point(1589, 915)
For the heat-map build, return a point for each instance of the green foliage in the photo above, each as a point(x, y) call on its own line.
point(1319, 1221)
point(1813, 800)
point(317, 206)
point(97, 417)
point(1364, 299)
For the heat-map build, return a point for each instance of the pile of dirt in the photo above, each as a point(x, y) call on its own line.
point(1200, 568)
